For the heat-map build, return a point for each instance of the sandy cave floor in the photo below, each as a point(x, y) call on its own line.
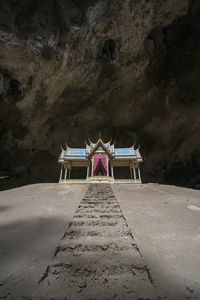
point(164, 226)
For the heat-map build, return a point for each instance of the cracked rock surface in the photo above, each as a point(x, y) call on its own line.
point(126, 68)
point(97, 257)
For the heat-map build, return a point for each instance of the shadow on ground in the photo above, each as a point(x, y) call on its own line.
point(4, 208)
point(26, 247)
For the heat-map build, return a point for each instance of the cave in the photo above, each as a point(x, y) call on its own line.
point(71, 69)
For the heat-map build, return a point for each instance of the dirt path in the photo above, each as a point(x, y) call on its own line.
point(97, 257)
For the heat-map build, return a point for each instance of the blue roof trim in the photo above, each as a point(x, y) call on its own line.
point(82, 154)
point(125, 157)
point(75, 157)
point(75, 152)
point(125, 151)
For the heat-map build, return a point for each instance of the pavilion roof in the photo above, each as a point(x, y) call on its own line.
point(85, 153)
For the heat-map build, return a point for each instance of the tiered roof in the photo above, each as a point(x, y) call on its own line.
point(99, 146)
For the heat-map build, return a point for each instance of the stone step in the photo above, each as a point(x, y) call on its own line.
point(113, 247)
point(100, 241)
point(105, 287)
point(101, 259)
point(98, 211)
point(99, 206)
point(124, 286)
point(99, 202)
point(99, 223)
point(98, 254)
point(81, 270)
point(97, 216)
point(76, 232)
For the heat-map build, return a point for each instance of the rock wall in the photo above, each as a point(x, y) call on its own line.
point(127, 68)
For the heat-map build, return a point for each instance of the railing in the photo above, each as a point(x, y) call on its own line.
point(127, 181)
point(100, 179)
point(73, 181)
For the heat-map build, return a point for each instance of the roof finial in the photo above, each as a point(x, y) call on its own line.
point(100, 135)
point(66, 146)
point(89, 141)
point(114, 142)
point(109, 141)
point(62, 148)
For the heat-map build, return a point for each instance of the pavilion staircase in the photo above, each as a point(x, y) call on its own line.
point(97, 257)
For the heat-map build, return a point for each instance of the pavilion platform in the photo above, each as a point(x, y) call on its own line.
point(100, 179)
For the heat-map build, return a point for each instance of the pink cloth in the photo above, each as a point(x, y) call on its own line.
point(103, 159)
